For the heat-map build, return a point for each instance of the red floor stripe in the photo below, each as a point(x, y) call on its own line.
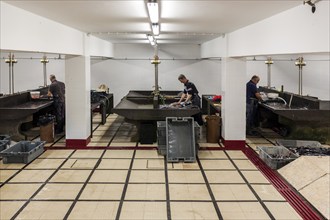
point(301, 206)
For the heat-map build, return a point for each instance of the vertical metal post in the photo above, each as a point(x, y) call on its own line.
point(10, 73)
point(269, 62)
point(156, 61)
point(300, 63)
point(44, 61)
point(11, 60)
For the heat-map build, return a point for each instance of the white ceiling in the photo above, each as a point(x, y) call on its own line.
point(181, 21)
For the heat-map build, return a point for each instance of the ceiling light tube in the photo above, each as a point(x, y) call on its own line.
point(150, 38)
point(155, 29)
point(153, 11)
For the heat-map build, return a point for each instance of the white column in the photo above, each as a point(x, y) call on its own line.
point(78, 115)
point(233, 101)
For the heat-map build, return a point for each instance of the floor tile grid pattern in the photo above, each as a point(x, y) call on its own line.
point(84, 186)
point(39, 189)
point(251, 188)
point(294, 198)
point(128, 178)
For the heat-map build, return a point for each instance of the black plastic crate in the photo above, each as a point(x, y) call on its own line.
point(304, 147)
point(23, 152)
point(180, 139)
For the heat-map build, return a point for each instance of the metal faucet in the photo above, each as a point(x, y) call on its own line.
point(282, 100)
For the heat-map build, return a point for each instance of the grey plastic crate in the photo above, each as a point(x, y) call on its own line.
point(3, 144)
point(180, 139)
point(161, 136)
point(277, 156)
point(4, 137)
point(23, 152)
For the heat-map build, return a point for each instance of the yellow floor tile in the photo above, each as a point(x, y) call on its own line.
point(71, 176)
point(54, 191)
point(114, 164)
point(268, 192)
point(193, 210)
point(87, 154)
point(282, 210)
point(102, 192)
point(189, 192)
point(185, 176)
point(232, 192)
point(80, 164)
point(11, 165)
point(6, 174)
point(118, 154)
point(183, 166)
point(242, 210)
point(126, 144)
point(55, 154)
point(109, 176)
point(18, 191)
point(216, 164)
point(147, 176)
point(32, 176)
point(94, 210)
point(144, 210)
point(254, 177)
point(207, 154)
point(145, 192)
point(45, 164)
point(223, 176)
point(147, 154)
point(236, 154)
point(8, 209)
point(245, 165)
point(44, 210)
point(148, 164)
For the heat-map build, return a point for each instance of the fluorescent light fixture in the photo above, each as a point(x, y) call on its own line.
point(151, 39)
point(152, 6)
point(155, 29)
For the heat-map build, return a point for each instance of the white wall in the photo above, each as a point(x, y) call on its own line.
point(297, 30)
point(28, 73)
point(137, 72)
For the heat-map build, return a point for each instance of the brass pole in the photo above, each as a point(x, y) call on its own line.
point(300, 63)
point(269, 62)
point(44, 61)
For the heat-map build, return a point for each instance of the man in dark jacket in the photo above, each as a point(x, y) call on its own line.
point(57, 91)
point(252, 98)
point(190, 94)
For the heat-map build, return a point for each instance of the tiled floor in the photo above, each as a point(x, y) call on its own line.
point(137, 183)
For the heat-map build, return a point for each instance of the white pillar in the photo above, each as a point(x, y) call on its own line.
point(78, 111)
point(233, 102)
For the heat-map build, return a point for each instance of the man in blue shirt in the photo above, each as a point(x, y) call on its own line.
point(252, 97)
